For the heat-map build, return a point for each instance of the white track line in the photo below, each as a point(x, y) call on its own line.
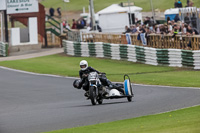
point(174, 110)
point(57, 76)
point(38, 74)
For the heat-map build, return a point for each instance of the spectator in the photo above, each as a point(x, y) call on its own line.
point(194, 21)
point(170, 28)
point(147, 21)
point(142, 29)
point(185, 29)
point(73, 24)
point(175, 4)
point(137, 21)
point(127, 30)
point(59, 11)
point(179, 4)
point(163, 29)
point(188, 1)
point(151, 21)
point(138, 27)
point(133, 29)
point(67, 26)
point(195, 31)
point(176, 19)
point(166, 29)
point(179, 29)
point(64, 23)
point(83, 22)
point(191, 3)
point(79, 25)
point(99, 28)
point(187, 19)
point(148, 32)
point(168, 19)
point(175, 31)
point(190, 31)
point(142, 35)
point(157, 29)
point(152, 28)
point(173, 22)
point(51, 12)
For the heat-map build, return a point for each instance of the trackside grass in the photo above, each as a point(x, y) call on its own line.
point(181, 121)
point(140, 73)
point(77, 5)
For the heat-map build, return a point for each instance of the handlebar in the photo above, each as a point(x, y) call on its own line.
point(102, 73)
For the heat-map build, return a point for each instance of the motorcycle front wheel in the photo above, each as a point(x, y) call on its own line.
point(93, 95)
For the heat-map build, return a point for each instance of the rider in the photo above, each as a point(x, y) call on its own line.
point(83, 73)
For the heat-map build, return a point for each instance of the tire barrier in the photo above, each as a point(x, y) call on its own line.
point(134, 53)
point(3, 49)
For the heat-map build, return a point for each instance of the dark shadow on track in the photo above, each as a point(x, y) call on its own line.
point(90, 105)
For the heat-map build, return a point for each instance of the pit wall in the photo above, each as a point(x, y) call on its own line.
point(133, 53)
point(3, 49)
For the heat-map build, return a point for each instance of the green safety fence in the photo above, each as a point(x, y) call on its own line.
point(152, 56)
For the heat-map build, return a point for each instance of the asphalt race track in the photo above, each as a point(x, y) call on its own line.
point(36, 103)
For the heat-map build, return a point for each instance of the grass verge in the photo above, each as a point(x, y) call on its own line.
point(77, 5)
point(139, 73)
point(181, 121)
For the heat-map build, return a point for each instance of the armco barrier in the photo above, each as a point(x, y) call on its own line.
point(133, 53)
point(3, 49)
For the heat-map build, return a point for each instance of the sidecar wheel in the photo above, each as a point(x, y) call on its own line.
point(129, 99)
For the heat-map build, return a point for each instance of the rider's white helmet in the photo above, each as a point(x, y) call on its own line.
point(83, 65)
point(114, 92)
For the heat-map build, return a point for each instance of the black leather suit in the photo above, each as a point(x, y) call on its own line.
point(84, 82)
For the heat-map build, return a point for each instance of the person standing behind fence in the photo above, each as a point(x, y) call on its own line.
point(133, 29)
point(191, 3)
point(127, 30)
point(73, 24)
point(59, 11)
point(179, 4)
point(142, 35)
point(79, 25)
point(51, 12)
point(64, 23)
point(170, 28)
point(187, 19)
point(188, 1)
point(184, 28)
point(176, 19)
point(175, 4)
point(194, 21)
point(190, 32)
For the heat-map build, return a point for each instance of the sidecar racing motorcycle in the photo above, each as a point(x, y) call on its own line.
point(98, 92)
